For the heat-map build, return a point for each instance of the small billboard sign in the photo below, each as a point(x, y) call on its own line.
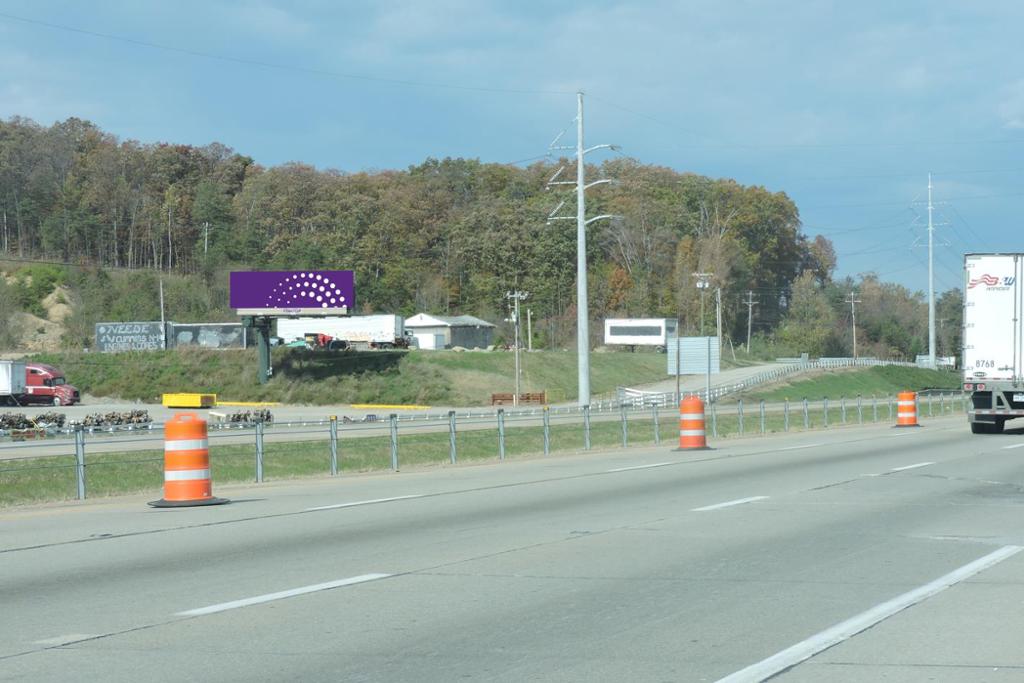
point(292, 292)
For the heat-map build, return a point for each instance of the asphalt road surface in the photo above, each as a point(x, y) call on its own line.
point(860, 554)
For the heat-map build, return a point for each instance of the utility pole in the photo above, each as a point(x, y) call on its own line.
point(515, 297)
point(853, 315)
point(529, 330)
point(931, 280)
point(163, 321)
point(206, 237)
point(750, 315)
point(582, 313)
point(718, 316)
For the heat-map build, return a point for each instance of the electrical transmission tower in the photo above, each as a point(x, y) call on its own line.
point(582, 313)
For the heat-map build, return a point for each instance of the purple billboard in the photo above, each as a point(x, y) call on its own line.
point(293, 292)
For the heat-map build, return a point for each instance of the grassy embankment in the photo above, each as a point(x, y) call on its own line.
point(850, 383)
point(323, 378)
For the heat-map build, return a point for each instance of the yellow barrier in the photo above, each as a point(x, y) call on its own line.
point(388, 406)
point(189, 400)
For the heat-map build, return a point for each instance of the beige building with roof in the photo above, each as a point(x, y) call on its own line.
point(445, 332)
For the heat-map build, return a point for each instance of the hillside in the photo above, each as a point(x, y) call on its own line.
point(323, 378)
point(878, 381)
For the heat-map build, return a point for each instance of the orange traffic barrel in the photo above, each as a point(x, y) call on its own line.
point(691, 425)
point(906, 409)
point(186, 464)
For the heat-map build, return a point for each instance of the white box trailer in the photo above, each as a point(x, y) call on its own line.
point(12, 381)
point(992, 339)
point(382, 331)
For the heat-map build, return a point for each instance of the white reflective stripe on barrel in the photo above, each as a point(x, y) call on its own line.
point(905, 403)
point(186, 475)
point(691, 416)
point(691, 432)
point(185, 445)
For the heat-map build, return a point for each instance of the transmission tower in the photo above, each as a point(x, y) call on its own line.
point(582, 313)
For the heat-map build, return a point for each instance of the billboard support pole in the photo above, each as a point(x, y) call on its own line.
point(260, 324)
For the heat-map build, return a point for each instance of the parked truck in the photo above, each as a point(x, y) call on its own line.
point(12, 381)
point(23, 383)
point(47, 384)
point(358, 331)
point(993, 362)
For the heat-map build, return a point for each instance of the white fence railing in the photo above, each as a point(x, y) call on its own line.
point(637, 397)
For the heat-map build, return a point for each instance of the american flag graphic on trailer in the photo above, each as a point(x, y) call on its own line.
point(988, 280)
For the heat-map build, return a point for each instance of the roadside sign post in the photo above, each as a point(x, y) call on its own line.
point(394, 441)
point(547, 430)
point(451, 436)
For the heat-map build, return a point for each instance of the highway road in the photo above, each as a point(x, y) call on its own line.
point(860, 554)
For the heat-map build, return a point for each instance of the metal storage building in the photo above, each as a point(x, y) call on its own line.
point(444, 332)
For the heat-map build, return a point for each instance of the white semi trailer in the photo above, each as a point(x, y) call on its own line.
point(358, 331)
point(993, 335)
point(12, 381)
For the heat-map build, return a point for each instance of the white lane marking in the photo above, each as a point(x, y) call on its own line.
point(361, 502)
point(822, 641)
point(911, 467)
point(797, 448)
point(727, 504)
point(259, 599)
point(640, 467)
point(65, 640)
point(1016, 445)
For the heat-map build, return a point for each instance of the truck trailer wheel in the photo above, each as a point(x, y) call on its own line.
point(56, 400)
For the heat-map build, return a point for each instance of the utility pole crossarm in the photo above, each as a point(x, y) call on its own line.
point(601, 217)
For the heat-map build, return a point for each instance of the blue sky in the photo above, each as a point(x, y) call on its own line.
point(844, 106)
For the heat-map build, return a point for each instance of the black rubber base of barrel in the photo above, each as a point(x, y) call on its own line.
point(696, 448)
point(186, 503)
point(904, 426)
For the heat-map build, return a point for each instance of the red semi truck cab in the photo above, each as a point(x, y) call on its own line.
point(46, 384)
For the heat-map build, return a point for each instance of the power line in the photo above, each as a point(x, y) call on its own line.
point(273, 65)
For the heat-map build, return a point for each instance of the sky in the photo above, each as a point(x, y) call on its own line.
point(846, 107)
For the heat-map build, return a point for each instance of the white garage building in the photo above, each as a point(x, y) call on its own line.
point(444, 332)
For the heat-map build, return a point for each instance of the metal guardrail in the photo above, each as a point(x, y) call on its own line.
point(667, 398)
point(759, 418)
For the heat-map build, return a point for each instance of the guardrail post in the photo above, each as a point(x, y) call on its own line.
point(393, 418)
point(714, 420)
point(259, 451)
point(625, 427)
point(501, 433)
point(80, 460)
point(760, 409)
point(874, 408)
point(807, 415)
point(739, 414)
point(334, 445)
point(842, 408)
point(931, 400)
point(451, 436)
point(547, 430)
point(890, 408)
point(825, 404)
point(657, 428)
point(860, 409)
point(586, 428)
point(942, 403)
point(785, 413)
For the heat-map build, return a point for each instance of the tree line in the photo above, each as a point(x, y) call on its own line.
point(447, 236)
